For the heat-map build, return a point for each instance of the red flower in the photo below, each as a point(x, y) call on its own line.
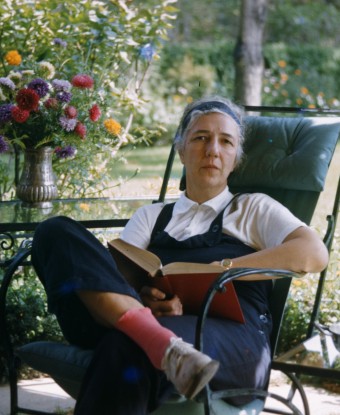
point(19, 115)
point(82, 81)
point(95, 113)
point(27, 99)
point(80, 130)
point(51, 103)
point(70, 112)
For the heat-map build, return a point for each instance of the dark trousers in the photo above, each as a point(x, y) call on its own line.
point(121, 379)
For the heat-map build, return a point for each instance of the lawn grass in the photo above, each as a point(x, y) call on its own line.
point(150, 163)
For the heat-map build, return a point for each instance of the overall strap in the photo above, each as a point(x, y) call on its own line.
point(163, 219)
point(166, 214)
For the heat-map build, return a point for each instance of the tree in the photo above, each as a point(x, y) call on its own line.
point(248, 54)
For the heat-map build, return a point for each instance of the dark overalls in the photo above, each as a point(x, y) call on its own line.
point(121, 379)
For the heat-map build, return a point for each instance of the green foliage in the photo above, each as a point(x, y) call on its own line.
point(294, 22)
point(28, 318)
point(208, 21)
point(303, 22)
point(104, 39)
point(301, 300)
point(301, 76)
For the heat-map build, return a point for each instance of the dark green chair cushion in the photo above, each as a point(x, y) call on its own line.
point(64, 363)
point(67, 364)
point(287, 153)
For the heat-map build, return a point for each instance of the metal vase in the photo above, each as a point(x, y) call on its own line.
point(37, 184)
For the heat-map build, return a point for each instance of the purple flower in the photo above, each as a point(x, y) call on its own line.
point(60, 85)
point(68, 124)
point(39, 86)
point(60, 42)
point(64, 96)
point(8, 83)
point(146, 52)
point(65, 152)
point(5, 113)
point(4, 147)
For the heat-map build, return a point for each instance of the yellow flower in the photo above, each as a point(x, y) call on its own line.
point(13, 58)
point(284, 77)
point(299, 101)
point(304, 90)
point(282, 63)
point(298, 72)
point(85, 207)
point(112, 126)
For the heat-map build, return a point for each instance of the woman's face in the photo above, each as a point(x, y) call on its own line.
point(209, 155)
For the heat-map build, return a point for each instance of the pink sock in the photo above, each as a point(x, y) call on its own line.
point(143, 328)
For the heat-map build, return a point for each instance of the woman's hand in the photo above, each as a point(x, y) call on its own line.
point(157, 301)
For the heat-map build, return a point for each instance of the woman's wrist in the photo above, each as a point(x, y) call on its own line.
point(226, 263)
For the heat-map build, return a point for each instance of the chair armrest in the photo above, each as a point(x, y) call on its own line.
point(242, 274)
point(10, 266)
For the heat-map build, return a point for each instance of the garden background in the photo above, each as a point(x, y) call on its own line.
point(148, 59)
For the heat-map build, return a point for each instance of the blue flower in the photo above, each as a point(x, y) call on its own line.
point(64, 97)
point(68, 124)
point(61, 85)
point(5, 113)
point(39, 86)
point(4, 147)
point(147, 52)
point(8, 83)
point(59, 42)
point(65, 152)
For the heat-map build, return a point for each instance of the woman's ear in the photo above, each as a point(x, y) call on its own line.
point(181, 156)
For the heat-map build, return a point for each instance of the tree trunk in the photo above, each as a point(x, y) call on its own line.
point(248, 54)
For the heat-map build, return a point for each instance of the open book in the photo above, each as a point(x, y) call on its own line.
point(189, 281)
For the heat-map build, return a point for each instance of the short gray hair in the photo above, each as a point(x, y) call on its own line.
point(208, 105)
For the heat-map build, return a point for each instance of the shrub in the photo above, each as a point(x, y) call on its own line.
point(301, 300)
point(28, 318)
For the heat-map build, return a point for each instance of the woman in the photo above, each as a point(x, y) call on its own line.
point(142, 340)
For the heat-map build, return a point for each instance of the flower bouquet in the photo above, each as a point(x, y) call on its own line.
point(37, 109)
point(45, 115)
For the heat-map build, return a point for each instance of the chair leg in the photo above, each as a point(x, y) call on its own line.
point(13, 385)
point(297, 386)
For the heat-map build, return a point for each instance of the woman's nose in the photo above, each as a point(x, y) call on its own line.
point(212, 149)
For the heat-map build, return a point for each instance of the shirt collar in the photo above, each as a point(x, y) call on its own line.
point(217, 203)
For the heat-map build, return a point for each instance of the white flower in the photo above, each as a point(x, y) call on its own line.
point(48, 69)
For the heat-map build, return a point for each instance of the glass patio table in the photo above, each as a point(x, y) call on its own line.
point(18, 222)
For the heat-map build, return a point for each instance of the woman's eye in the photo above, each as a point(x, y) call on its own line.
point(227, 141)
point(200, 138)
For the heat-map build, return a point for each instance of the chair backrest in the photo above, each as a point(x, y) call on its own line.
point(288, 159)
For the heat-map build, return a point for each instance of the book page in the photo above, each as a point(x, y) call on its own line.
point(191, 268)
point(143, 258)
